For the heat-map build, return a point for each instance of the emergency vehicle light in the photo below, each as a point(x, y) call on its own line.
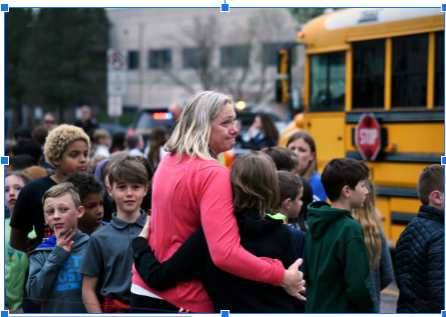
point(162, 116)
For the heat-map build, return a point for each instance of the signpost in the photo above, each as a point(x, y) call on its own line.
point(115, 106)
point(116, 83)
point(116, 80)
point(117, 59)
point(368, 136)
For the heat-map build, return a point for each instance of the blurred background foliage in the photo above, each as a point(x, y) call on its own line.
point(55, 59)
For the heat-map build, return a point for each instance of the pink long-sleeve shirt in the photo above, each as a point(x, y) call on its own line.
point(193, 194)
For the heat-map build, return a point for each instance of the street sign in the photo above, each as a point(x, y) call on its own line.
point(117, 60)
point(117, 72)
point(116, 83)
point(114, 106)
point(368, 136)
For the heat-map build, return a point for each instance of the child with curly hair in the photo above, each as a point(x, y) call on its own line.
point(66, 149)
point(91, 193)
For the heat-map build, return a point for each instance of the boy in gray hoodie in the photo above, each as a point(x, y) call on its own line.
point(54, 280)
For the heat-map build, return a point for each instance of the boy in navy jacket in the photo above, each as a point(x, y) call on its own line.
point(419, 253)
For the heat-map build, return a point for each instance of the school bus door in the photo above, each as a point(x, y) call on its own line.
point(328, 131)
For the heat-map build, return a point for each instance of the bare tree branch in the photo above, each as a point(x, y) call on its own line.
point(201, 44)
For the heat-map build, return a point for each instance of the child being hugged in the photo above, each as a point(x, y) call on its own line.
point(109, 256)
point(54, 280)
point(256, 192)
point(91, 193)
point(337, 260)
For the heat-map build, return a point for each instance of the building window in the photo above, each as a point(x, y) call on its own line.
point(409, 70)
point(234, 56)
point(196, 57)
point(160, 59)
point(270, 52)
point(327, 83)
point(368, 74)
point(133, 59)
point(439, 69)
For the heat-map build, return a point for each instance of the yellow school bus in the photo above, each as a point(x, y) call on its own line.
point(387, 62)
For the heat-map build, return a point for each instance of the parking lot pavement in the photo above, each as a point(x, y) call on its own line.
point(389, 297)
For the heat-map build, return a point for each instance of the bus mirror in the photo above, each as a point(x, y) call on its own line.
point(281, 90)
point(283, 61)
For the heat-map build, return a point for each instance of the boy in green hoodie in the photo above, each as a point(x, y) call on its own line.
point(337, 261)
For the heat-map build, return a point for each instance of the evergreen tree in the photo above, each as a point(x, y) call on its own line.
point(64, 58)
point(17, 35)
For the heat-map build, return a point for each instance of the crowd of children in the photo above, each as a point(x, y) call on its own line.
point(80, 248)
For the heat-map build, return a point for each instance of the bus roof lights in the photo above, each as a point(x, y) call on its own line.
point(300, 34)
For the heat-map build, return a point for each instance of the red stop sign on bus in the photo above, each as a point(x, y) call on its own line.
point(368, 136)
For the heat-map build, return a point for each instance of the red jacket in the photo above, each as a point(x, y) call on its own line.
point(193, 194)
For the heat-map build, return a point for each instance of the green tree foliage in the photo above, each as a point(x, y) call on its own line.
point(64, 57)
point(16, 39)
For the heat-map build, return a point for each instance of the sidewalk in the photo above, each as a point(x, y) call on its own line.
point(389, 297)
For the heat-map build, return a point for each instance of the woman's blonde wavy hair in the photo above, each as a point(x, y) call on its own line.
point(369, 218)
point(192, 133)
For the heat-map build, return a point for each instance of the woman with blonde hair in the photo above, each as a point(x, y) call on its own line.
point(381, 269)
point(191, 190)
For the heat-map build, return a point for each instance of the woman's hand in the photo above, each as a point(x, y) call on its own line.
point(293, 281)
point(145, 231)
point(64, 239)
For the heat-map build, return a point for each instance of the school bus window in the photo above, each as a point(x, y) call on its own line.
point(439, 69)
point(409, 70)
point(368, 74)
point(327, 81)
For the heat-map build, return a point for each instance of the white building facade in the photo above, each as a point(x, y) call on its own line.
point(173, 52)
